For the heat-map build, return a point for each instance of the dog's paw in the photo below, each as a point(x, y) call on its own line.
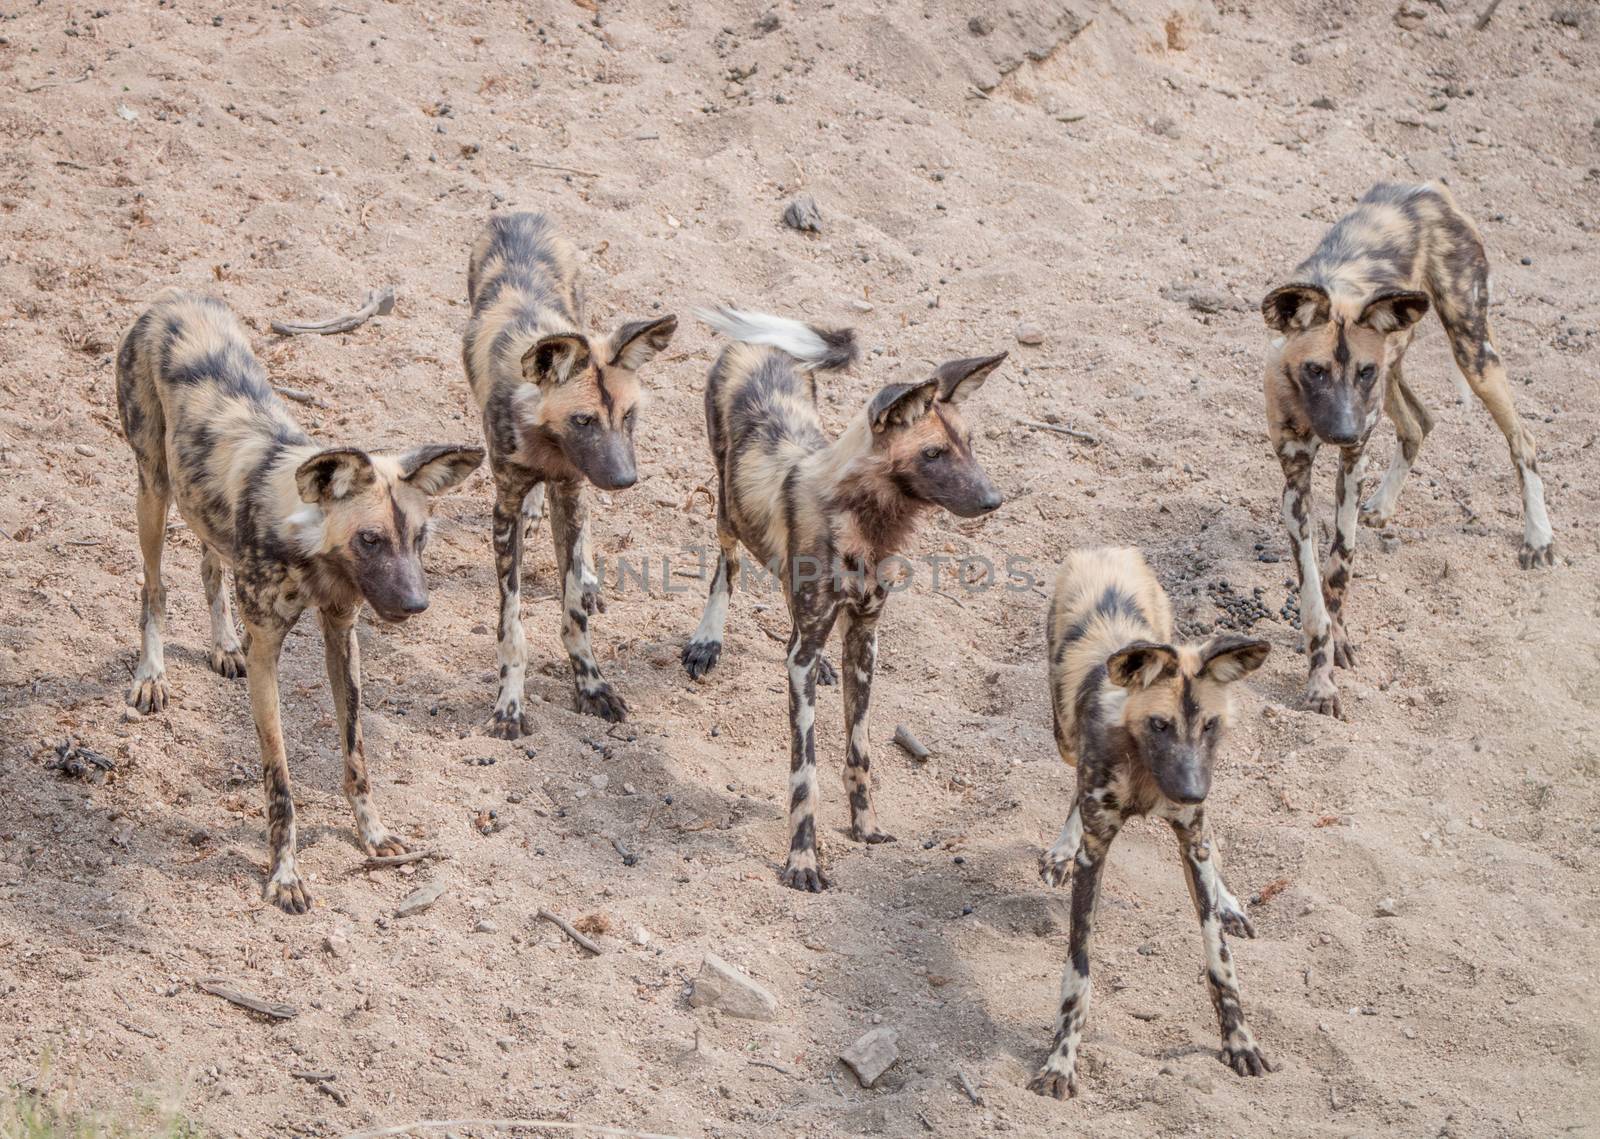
point(700, 657)
point(604, 702)
point(228, 663)
point(149, 694)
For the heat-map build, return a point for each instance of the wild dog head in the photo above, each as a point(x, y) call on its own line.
point(364, 518)
point(590, 395)
point(925, 447)
point(1334, 355)
point(1177, 705)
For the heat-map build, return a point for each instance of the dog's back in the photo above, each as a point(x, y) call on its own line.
point(521, 283)
point(198, 409)
point(1103, 600)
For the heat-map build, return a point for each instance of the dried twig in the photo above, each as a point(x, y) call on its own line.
point(560, 169)
point(784, 1068)
point(315, 1077)
point(912, 745)
point(219, 988)
point(629, 858)
point(1059, 430)
point(378, 302)
point(376, 860)
point(565, 927)
point(301, 397)
point(506, 1125)
point(1485, 16)
point(139, 1030)
point(966, 1086)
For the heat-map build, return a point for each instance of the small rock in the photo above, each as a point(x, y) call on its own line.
point(1029, 333)
point(641, 936)
point(1148, 949)
point(872, 1055)
point(85, 450)
point(505, 1043)
point(1145, 1014)
point(600, 781)
point(1388, 908)
point(420, 900)
point(980, 25)
point(768, 22)
point(485, 926)
point(802, 214)
point(1198, 1083)
point(1324, 103)
point(337, 944)
point(724, 987)
point(860, 305)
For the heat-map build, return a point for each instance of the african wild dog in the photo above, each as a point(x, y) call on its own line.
point(823, 517)
point(558, 410)
point(1140, 718)
point(303, 526)
point(1344, 323)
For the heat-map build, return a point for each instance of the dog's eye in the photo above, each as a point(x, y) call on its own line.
point(1369, 373)
point(370, 539)
point(931, 453)
point(583, 419)
point(1213, 724)
point(1160, 724)
point(1315, 372)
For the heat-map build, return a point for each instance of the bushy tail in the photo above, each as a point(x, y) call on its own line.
point(817, 349)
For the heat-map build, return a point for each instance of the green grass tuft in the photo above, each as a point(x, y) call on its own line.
point(24, 1115)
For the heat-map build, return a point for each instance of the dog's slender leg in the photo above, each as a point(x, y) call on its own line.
point(227, 656)
point(704, 649)
point(148, 692)
point(1058, 1075)
point(1348, 495)
point(1411, 426)
point(580, 597)
point(509, 720)
point(342, 653)
point(284, 888)
point(1239, 1049)
point(802, 871)
point(1055, 864)
point(1466, 321)
point(860, 655)
point(532, 510)
point(1295, 455)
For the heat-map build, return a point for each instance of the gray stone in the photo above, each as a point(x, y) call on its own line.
point(872, 1055)
point(1388, 908)
point(1029, 333)
point(420, 900)
point(802, 214)
point(723, 987)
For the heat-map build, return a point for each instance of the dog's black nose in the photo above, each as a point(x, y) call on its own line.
point(415, 604)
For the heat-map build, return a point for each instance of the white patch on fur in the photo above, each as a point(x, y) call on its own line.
point(306, 528)
point(1536, 530)
point(792, 336)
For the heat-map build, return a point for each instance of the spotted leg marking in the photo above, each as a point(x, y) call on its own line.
point(1055, 863)
point(148, 692)
point(1296, 455)
point(1411, 426)
point(860, 656)
point(580, 597)
point(227, 655)
point(1211, 900)
point(802, 871)
point(509, 720)
point(1340, 555)
point(285, 888)
point(342, 652)
point(1058, 1076)
point(532, 510)
point(704, 649)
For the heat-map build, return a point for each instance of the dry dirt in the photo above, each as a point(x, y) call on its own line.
point(1119, 156)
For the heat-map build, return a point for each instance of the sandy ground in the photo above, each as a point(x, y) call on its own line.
point(1086, 169)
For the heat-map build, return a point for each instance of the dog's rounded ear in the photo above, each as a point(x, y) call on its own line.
point(901, 405)
point(1394, 310)
point(1140, 664)
point(1293, 308)
point(959, 379)
point(333, 474)
point(436, 467)
point(1230, 657)
point(636, 343)
point(555, 359)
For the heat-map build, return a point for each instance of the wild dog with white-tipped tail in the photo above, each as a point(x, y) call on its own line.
point(823, 516)
point(303, 526)
point(1140, 718)
point(1343, 325)
point(559, 411)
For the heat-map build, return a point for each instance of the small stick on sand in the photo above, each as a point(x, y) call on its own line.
point(1059, 430)
point(218, 988)
point(1486, 15)
point(301, 397)
point(315, 1077)
point(784, 1068)
point(912, 745)
point(565, 927)
point(561, 169)
point(378, 302)
point(966, 1086)
point(377, 860)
